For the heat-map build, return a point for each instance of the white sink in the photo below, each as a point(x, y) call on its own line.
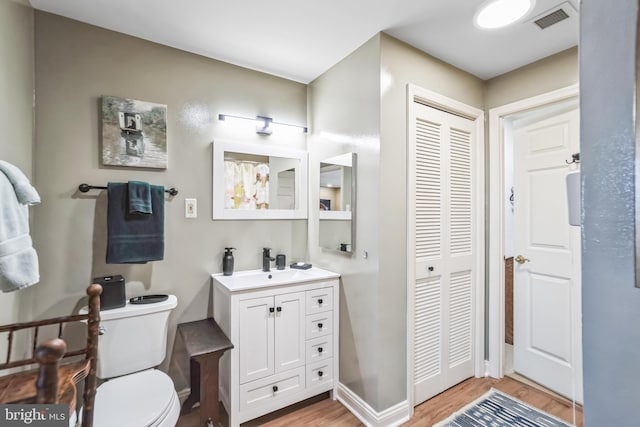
point(252, 279)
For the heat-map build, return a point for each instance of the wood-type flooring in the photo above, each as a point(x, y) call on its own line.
point(322, 411)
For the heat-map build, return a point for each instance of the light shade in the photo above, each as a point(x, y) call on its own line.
point(500, 13)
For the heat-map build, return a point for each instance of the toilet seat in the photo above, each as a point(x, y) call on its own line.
point(142, 399)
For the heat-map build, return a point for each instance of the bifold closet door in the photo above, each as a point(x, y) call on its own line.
point(441, 153)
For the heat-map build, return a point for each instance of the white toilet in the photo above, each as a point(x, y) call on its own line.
point(132, 342)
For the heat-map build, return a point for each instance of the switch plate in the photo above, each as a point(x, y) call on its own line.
point(190, 208)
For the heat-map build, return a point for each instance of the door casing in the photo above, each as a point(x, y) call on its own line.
point(495, 288)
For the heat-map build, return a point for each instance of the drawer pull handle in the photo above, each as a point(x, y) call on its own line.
point(319, 349)
point(319, 325)
point(320, 301)
point(271, 309)
point(320, 373)
point(279, 309)
point(275, 388)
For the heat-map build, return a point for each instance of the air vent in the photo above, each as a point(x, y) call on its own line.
point(552, 18)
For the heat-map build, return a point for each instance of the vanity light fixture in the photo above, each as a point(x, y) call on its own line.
point(500, 13)
point(264, 124)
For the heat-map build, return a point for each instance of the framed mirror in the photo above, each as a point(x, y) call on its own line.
point(337, 203)
point(254, 181)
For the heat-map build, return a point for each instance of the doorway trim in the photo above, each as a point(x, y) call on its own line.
point(495, 288)
point(433, 99)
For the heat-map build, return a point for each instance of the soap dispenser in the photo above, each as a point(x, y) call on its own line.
point(227, 262)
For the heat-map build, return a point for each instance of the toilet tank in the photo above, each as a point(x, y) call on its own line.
point(133, 338)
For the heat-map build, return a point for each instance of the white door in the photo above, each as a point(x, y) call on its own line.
point(442, 147)
point(547, 337)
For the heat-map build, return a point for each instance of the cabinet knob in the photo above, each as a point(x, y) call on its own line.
point(279, 309)
point(271, 309)
point(319, 300)
point(430, 268)
point(275, 388)
point(319, 349)
point(319, 325)
point(320, 373)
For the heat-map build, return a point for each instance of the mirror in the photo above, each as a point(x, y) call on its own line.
point(337, 203)
point(252, 181)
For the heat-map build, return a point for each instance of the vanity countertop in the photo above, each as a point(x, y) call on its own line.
point(255, 279)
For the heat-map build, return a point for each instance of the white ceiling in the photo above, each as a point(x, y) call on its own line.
point(301, 39)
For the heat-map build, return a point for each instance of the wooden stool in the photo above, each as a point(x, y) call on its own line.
point(205, 343)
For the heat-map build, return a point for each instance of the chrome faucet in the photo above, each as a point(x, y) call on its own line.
point(266, 259)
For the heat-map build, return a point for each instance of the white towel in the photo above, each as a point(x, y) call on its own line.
point(18, 260)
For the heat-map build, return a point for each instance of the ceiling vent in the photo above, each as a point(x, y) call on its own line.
point(554, 15)
point(552, 18)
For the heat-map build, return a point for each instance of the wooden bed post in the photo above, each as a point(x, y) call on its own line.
point(90, 382)
point(48, 355)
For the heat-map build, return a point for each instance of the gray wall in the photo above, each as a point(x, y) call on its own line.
point(548, 74)
point(76, 64)
point(344, 106)
point(610, 302)
point(402, 64)
point(16, 118)
point(360, 105)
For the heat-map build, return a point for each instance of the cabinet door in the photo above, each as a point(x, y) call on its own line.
point(256, 338)
point(289, 331)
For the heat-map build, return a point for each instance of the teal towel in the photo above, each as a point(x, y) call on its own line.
point(134, 238)
point(139, 197)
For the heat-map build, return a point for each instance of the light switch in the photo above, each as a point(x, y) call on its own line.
point(190, 208)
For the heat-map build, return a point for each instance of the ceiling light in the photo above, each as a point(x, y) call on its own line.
point(500, 13)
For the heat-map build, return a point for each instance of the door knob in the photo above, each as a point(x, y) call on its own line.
point(521, 260)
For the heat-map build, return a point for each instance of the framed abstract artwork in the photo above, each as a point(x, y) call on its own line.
point(134, 133)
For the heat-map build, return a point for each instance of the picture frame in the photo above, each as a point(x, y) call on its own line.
point(134, 133)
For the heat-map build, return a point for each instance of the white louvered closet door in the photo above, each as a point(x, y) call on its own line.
point(441, 171)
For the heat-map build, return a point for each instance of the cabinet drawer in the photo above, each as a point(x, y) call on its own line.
point(319, 349)
point(320, 324)
point(319, 300)
point(263, 391)
point(320, 373)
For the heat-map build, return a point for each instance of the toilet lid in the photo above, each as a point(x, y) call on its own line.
point(133, 400)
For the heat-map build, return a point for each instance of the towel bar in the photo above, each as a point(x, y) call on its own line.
point(86, 187)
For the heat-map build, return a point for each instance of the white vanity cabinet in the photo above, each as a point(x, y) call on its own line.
point(284, 330)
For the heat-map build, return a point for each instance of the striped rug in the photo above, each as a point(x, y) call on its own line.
point(496, 409)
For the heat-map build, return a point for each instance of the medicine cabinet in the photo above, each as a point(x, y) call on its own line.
point(337, 203)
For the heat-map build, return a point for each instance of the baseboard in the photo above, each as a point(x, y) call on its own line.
point(390, 417)
point(183, 394)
